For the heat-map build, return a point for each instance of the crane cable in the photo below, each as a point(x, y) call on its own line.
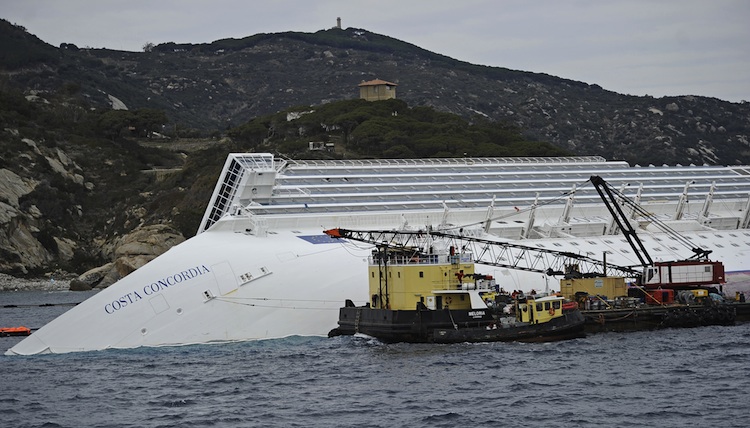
point(684, 241)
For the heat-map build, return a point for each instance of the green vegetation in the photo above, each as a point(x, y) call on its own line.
point(105, 146)
point(349, 38)
point(50, 131)
point(389, 129)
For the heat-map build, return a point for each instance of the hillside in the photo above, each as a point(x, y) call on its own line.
point(82, 187)
point(110, 157)
point(208, 88)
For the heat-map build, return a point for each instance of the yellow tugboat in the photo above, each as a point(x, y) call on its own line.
point(436, 296)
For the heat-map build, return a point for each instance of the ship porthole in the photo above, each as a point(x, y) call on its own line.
point(179, 311)
point(144, 331)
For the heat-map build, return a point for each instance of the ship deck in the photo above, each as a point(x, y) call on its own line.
point(261, 185)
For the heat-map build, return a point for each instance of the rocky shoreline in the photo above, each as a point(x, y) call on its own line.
point(52, 283)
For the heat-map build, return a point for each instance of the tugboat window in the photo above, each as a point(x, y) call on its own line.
point(421, 274)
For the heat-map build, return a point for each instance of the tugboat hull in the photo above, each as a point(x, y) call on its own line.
point(453, 326)
point(569, 326)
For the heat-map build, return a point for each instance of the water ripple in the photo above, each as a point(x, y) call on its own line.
point(669, 378)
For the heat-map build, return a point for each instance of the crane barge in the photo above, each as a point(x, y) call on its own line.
point(415, 274)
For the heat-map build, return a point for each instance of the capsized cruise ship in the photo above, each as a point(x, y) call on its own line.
point(261, 267)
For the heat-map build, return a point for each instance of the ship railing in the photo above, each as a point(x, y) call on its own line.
point(255, 225)
point(291, 192)
point(419, 259)
point(446, 161)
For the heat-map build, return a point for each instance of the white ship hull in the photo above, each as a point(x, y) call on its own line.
point(261, 267)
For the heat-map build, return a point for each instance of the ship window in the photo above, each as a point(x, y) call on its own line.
point(399, 274)
point(557, 244)
point(719, 236)
point(591, 242)
point(607, 241)
point(657, 249)
point(657, 239)
point(608, 252)
point(733, 235)
point(421, 274)
point(574, 243)
point(372, 274)
point(556, 304)
point(624, 250)
point(673, 248)
point(707, 269)
point(546, 306)
point(702, 236)
point(540, 245)
point(538, 306)
point(734, 244)
point(719, 245)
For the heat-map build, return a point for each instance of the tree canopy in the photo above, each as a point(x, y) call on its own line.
point(388, 128)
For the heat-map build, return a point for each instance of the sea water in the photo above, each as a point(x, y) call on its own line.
point(666, 378)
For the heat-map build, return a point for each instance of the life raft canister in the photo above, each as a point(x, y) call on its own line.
point(14, 331)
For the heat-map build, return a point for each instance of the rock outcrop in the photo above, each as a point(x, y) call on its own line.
point(130, 253)
point(20, 248)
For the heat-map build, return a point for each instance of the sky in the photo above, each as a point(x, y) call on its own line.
point(636, 47)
